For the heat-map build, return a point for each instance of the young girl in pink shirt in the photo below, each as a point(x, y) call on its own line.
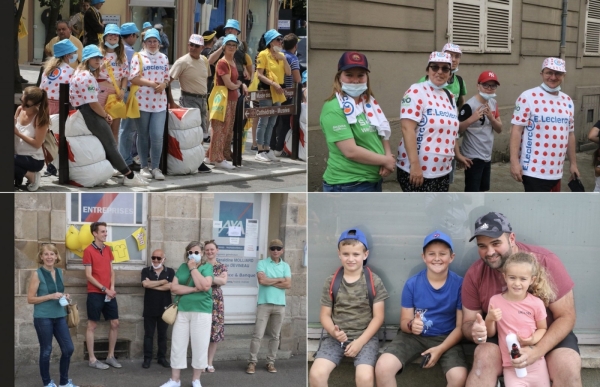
point(521, 310)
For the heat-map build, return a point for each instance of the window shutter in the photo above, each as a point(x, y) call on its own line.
point(465, 25)
point(592, 28)
point(498, 25)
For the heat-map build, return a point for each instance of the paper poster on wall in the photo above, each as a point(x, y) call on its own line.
point(111, 19)
point(234, 241)
point(119, 250)
point(235, 231)
point(116, 208)
point(251, 240)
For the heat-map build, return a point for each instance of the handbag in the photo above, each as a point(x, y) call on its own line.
point(133, 106)
point(170, 314)
point(115, 107)
point(72, 315)
point(217, 100)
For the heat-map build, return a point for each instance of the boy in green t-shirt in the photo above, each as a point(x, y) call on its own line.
point(350, 321)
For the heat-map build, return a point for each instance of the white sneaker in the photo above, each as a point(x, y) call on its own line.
point(208, 162)
point(271, 155)
point(137, 181)
point(171, 383)
point(224, 165)
point(278, 153)
point(157, 174)
point(262, 157)
point(145, 173)
point(35, 184)
point(196, 383)
point(116, 173)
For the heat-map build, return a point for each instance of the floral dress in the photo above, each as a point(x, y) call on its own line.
point(218, 313)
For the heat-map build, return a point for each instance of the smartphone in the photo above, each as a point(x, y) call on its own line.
point(425, 360)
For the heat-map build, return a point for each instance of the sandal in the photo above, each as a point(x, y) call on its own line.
point(210, 369)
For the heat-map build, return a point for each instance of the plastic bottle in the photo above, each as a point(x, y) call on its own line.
point(513, 348)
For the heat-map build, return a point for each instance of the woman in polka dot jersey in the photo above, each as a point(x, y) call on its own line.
point(57, 70)
point(83, 95)
point(429, 128)
point(152, 75)
point(113, 49)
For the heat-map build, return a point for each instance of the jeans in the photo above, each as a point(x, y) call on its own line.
point(188, 101)
point(357, 186)
point(57, 327)
point(23, 164)
point(151, 127)
point(265, 126)
point(127, 131)
point(264, 313)
point(149, 324)
point(477, 176)
point(282, 127)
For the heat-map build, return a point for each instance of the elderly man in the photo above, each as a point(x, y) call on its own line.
point(64, 32)
point(92, 23)
point(164, 40)
point(193, 70)
point(543, 132)
point(156, 279)
point(496, 241)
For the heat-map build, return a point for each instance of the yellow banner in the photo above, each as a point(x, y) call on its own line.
point(140, 238)
point(119, 250)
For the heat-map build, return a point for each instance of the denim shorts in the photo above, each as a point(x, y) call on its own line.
point(357, 186)
point(95, 305)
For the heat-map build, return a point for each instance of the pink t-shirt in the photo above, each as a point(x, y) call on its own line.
point(548, 120)
point(84, 88)
point(519, 318)
point(156, 69)
point(51, 83)
point(482, 282)
point(120, 71)
point(437, 129)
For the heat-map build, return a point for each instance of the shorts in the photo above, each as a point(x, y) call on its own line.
point(570, 342)
point(407, 347)
point(331, 350)
point(534, 184)
point(95, 304)
point(537, 376)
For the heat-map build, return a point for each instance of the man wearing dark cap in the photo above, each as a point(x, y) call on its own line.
point(496, 241)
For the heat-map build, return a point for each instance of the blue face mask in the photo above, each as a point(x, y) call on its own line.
point(549, 89)
point(113, 46)
point(92, 69)
point(354, 89)
point(195, 257)
point(436, 86)
point(73, 58)
point(487, 97)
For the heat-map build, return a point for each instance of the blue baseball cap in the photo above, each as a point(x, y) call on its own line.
point(232, 23)
point(230, 38)
point(63, 47)
point(270, 35)
point(356, 234)
point(93, 2)
point(128, 29)
point(111, 29)
point(90, 51)
point(304, 76)
point(147, 25)
point(152, 33)
point(438, 236)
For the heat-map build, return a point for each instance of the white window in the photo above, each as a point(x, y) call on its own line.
point(124, 214)
point(592, 28)
point(481, 25)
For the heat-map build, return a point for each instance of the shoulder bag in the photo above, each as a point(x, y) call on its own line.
point(170, 314)
point(115, 107)
point(217, 101)
point(133, 107)
point(72, 315)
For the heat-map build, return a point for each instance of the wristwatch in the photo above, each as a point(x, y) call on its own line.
point(103, 288)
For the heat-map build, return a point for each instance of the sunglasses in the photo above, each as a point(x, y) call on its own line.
point(436, 68)
point(553, 73)
point(195, 45)
point(24, 104)
point(493, 86)
point(156, 258)
point(275, 248)
point(194, 252)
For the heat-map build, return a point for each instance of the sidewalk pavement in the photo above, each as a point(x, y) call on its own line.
point(291, 373)
point(250, 169)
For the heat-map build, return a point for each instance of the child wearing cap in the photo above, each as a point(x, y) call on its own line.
point(479, 119)
point(430, 319)
point(57, 70)
point(351, 322)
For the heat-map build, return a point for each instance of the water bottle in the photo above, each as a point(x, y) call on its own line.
point(513, 348)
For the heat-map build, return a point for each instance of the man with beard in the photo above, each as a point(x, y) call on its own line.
point(495, 243)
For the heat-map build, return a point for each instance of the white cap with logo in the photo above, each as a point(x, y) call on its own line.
point(442, 57)
point(452, 48)
point(555, 64)
point(197, 39)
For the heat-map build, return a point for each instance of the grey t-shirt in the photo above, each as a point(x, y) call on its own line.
point(478, 139)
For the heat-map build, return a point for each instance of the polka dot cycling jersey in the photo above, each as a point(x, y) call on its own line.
point(51, 83)
point(436, 131)
point(547, 120)
point(120, 71)
point(156, 69)
point(84, 88)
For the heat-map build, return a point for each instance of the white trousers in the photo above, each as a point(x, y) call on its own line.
point(192, 325)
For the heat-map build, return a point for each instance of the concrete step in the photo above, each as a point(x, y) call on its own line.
point(239, 329)
point(224, 354)
point(240, 341)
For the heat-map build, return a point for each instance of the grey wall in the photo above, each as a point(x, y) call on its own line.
point(396, 224)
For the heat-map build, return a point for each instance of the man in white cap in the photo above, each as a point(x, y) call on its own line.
point(192, 70)
point(543, 132)
point(164, 39)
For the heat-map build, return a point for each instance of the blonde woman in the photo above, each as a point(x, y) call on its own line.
point(211, 250)
point(57, 70)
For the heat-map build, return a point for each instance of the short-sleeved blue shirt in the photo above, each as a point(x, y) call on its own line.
point(271, 294)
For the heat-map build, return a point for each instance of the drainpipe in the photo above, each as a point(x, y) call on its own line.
point(563, 30)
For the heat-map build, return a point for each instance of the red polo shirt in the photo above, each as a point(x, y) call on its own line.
point(100, 260)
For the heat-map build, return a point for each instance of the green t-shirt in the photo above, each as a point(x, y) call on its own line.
point(453, 87)
point(335, 126)
point(195, 302)
point(271, 294)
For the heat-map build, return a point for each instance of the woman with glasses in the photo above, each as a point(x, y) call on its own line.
point(156, 280)
point(356, 130)
point(192, 287)
point(429, 124)
point(218, 312)
point(32, 121)
point(479, 119)
point(47, 294)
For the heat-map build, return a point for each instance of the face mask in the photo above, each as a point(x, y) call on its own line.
point(487, 97)
point(73, 59)
point(549, 89)
point(92, 69)
point(436, 86)
point(157, 266)
point(195, 257)
point(455, 70)
point(354, 89)
point(151, 52)
point(113, 46)
point(277, 48)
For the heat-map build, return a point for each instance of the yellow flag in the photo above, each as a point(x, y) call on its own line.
point(119, 250)
point(140, 238)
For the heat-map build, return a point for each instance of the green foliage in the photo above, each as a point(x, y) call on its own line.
point(52, 3)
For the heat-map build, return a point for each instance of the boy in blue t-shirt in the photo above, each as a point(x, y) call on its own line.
point(430, 320)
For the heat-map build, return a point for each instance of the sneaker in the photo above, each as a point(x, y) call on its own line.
point(224, 165)
point(50, 170)
point(145, 173)
point(271, 367)
point(251, 368)
point(208, 162)
point(171, 383)
point(111, 361)
point(69, 384)
point(35, 184)
point(157, 174)
point(134, 167)
point(146, 363)
point(136, 159)
point(137, 181)
point(254, 147)
point(51, 384)
point(207, 140)
point(262, 157)
point(196, 383)
point(98, 364)
point(271, 155)
point(277, 153)
point(204, 169)
point(116, 173)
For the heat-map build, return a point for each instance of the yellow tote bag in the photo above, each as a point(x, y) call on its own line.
point(115, 107)
point(217, 101)
point(133, 107)
point(22, 28)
